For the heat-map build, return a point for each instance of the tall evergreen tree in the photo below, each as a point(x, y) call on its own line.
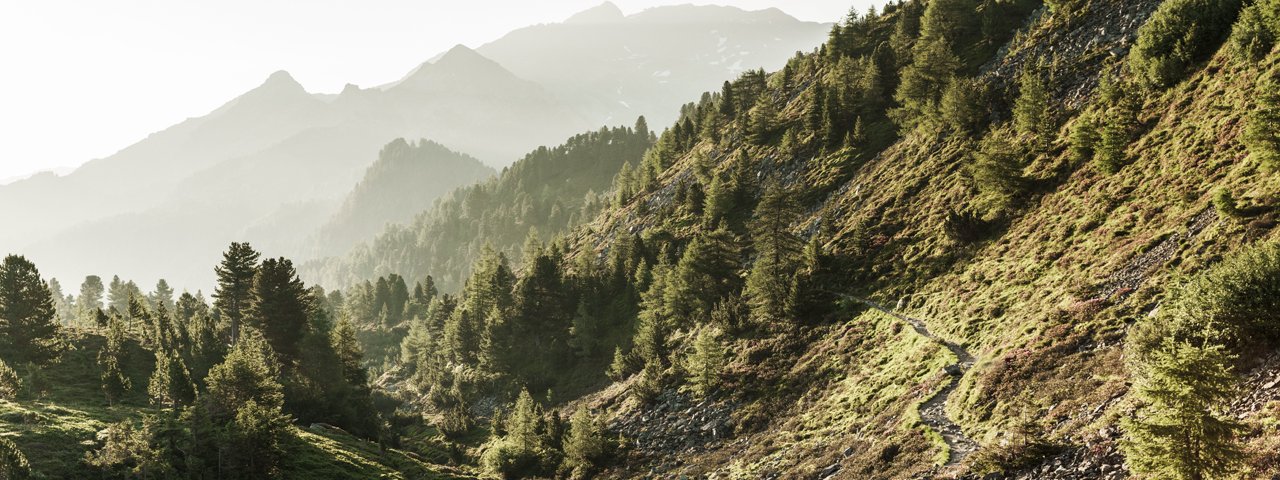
point(29, 330)
point(777, 253)
point(279, 306)
point(235, 279)
point(89, 302)
point(118, 294)
point(1183, 430)
point(1262, 126)
point(162, 295)
point(115, 384)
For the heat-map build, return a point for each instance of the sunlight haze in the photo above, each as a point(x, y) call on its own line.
point(85, 79)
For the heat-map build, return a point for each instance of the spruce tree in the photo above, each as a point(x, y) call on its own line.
point(89, 302)
point(235, 279)
point(706, 362)
point(279, 306)
point(585, 447)
point(29, 331)
point(777, 253)
point(1182, 429)
point(1031, 115)
point(706, 273)
point(1262, 126)
point(115, 384)
point(162, 295)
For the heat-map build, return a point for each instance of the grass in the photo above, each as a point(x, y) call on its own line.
point(57, 427)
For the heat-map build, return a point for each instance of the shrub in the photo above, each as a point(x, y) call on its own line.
point(1179, 34)
point(10, 384)
point(1225, 204)
point(963, 227)
point(13, 464)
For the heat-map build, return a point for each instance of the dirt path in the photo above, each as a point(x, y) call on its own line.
point(933, 410)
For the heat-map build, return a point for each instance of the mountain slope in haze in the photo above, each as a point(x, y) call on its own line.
point(614, 67)
point(546, 192)
point(216, 178)
point(406, 179)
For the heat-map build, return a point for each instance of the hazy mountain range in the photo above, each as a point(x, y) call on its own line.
point(276, 164)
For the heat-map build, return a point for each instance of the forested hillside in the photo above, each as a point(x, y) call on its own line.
point(406, 179)
point(547, 191)
point(959, 239)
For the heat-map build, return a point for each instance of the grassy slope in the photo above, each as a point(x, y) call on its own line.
point(1030, 302)
point(57, 428)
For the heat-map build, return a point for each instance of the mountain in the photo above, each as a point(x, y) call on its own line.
point(405, 180)
point(615, 67)
point(215, 177)
point(545, 193)
point(278, 150)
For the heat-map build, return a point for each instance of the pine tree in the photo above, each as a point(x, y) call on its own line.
point(29, 331)
point(1183, 430)
point(777, 252)
point(762, 120)
point(706, 362)
point(706, 272)
point(351, 356)
point(245, 404)
point(619, 368)
point(89, 302)
point(728, 103)
point(162, 295)
point(1114, 134)
point(118, 294)
point(115, 384)
point(171, 385)
point(1262, 126)
point(997, 168)
point(586, 446)
point(279, 306)
point(924, 80)
point(235, 279)
point(1031, 114)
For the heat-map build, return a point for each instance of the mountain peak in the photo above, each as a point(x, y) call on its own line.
point(459, 53)
point(282, 79)
point(606, 12)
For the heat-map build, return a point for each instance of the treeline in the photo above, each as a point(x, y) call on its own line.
point(228, 379)
point(547, 191)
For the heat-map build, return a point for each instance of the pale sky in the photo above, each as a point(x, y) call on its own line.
point(83, 79)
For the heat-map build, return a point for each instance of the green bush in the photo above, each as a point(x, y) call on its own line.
point(1225, 204)
point(10, 384)
point(1254, 34)
point(13, 464)
point(1179, 34)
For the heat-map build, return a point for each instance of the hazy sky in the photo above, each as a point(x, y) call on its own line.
point(83, 79)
